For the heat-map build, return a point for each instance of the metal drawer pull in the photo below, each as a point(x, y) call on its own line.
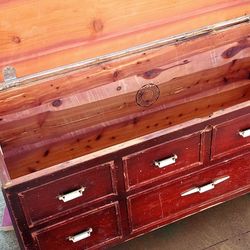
point(81, 236)
point(245, 133)
point(72, 195)
point(206, 187)
point(166, 162)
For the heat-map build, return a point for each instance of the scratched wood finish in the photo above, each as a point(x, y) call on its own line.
point(230, 131)
point(105, 223)
point(97, 187)
point(139, 167)
point(131, 225)
point(166, 201)
point(33, 32)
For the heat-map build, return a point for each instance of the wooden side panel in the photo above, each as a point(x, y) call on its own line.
point(33, 33)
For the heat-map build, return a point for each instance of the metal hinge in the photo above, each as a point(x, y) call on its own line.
point(10, 79)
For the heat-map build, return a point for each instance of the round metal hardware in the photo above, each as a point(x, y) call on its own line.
point(147, 95)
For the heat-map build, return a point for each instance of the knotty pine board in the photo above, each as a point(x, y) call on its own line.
point(36, 157)
point(38, 35)
point(39, 112)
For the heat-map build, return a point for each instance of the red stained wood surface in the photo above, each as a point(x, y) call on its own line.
point(139, 167)
point(41, 203)
point(105, 223)
point(162, 203)
point(226, 137)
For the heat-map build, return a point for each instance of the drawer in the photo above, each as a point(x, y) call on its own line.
point(167, 203)
point(231, 136)
point(162, 160)
point(82, 188)
point(86, 231)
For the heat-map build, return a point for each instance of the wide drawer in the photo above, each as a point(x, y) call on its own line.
point(231, 136)
point(86, 231)
point(167, 203)
point(162, 160)
point(45, 201)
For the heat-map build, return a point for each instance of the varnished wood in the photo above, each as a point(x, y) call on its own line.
point(42, 93)
point(139, 167)
point(229, 131)
point(234, 165)
point(98, 139)
point(166, 202)
point(33, 33)
point(101, 127)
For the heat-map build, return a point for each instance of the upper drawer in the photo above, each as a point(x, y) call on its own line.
point(162, 160)
point(62, 194)
point(166, 203)
point(85, 231)
point(231, 136)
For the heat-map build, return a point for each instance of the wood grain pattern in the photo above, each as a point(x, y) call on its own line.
point(235, 165)
point(33, 32)
point(218, 48)
point(35, 117)
point(102, 135)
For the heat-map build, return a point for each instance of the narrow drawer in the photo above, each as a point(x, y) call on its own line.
point(162, 160)
point(42, 202)
point(162, 204)
point(231, 136)
point(86, 231)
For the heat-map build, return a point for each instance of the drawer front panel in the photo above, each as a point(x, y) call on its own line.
point(85, 231)
point(60, 195)
point(162, 204)
point(231, 136)
point(163, 160)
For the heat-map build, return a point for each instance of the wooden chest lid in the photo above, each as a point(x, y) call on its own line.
point(39, 35)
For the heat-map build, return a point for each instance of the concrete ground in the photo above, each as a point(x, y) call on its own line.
point(224, 227)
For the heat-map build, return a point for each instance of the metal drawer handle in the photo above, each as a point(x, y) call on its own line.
point(166, 162)
point(245, 133)
point(72, 195)
point(81, 236)
point(206, 187)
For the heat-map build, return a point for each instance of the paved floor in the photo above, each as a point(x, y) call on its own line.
point(224, 227)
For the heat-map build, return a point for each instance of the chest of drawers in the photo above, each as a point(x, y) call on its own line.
point(104, 150)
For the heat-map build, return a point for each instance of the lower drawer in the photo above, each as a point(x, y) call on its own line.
point(166, 203)
point(86, 231)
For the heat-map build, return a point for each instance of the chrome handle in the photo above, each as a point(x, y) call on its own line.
point(72, 195)
point(81, 236)
point(245, 133)
point(206, 187)
point(166, 162)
